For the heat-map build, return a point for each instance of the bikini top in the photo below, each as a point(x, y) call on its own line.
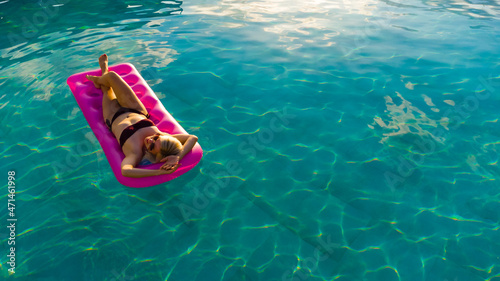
point(130, 130)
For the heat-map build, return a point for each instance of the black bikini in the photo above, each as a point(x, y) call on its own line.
point(130, 130)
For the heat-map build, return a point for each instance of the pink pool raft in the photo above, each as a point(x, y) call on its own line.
point(90, 101)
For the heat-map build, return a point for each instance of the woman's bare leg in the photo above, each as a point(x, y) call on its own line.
point(109, 102)
point(122, 91)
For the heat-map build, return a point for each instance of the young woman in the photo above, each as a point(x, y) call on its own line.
point(141, 141)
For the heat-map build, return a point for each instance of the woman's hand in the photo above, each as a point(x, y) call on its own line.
point(164, 172)
point(171, 163)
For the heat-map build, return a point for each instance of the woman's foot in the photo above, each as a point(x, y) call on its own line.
point(94, 79)
point(103, 63)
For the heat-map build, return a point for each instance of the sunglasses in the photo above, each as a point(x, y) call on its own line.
point(152, 145)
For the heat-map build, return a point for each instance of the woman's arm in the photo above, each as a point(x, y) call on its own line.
point(188, 142)
point(129, 170)
point(172, 161)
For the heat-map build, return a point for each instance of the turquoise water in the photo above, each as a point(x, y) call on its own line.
point(342, 140)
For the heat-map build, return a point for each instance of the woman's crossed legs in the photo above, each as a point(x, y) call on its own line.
point(116, 92)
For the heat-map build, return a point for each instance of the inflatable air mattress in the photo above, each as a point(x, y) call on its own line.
point(90, 101)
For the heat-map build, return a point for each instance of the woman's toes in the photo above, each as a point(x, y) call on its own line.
point(94, 80)
point(103, 58)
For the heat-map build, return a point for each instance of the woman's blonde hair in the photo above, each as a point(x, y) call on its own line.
point(170, 146)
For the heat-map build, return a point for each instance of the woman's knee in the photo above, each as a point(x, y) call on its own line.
point(112, 74)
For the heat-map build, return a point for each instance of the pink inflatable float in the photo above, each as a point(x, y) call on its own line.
point(90, 101)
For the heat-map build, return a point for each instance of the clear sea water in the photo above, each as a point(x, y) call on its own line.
point(343, 140)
